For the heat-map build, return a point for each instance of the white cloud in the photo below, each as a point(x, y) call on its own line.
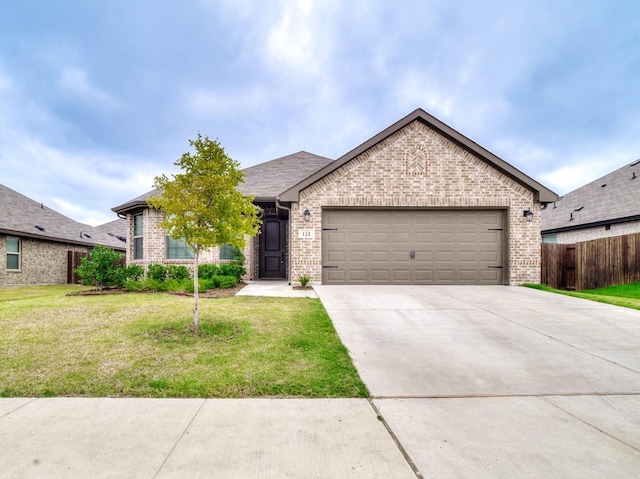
point(299, 44)
point(74, 79)
point(85, 185)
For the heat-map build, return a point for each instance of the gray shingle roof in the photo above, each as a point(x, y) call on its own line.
point(264, 181)
point(267, 180)
point(613, 198)
point(22, 216)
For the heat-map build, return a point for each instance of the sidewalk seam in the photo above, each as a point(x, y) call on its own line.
point(173, 448)
point(399, 445)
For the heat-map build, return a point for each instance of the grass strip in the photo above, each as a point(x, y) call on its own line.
point(627, 296)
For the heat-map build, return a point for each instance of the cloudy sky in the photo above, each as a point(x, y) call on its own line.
point(96, 98)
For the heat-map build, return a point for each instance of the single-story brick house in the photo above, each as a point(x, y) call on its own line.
point(608, 206)
point(418, 203)
point(35, 240)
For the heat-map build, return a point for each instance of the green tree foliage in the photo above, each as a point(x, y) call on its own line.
point(102, 269)
point(202, 205)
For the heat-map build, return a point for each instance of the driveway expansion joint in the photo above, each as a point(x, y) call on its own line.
point(395, 439)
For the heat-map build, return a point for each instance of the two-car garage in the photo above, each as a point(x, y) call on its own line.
point(413, 246)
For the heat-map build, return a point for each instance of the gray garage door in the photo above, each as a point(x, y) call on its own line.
point(412, 246)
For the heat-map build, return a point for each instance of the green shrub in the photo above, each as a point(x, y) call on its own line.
point(202, 286)
point(208, 284)
point(151, 284)
point(102, 269)
point(175, 271)
point(134, 272)
point(133, 286)
point(304, 279)
point(232, 269)
point(157, 272)
point(227, 281)
point(208, 271)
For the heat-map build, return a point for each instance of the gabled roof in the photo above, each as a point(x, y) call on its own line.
point(264, 181)
point(614, 198)
point(542, 194)
point(22, 216)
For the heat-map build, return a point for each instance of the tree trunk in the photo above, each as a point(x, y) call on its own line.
point(196, 321)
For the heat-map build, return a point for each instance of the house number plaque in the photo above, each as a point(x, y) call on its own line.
point(306, 234)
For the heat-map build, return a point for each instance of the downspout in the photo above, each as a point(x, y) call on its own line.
point(279, 206)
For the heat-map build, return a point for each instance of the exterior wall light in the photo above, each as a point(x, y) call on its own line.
point(307, 215)
point(528, 214)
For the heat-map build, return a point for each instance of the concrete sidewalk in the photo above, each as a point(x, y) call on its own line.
point(191, 438)
point(276, 289)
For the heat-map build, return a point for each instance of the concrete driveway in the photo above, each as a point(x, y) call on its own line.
point(497, 381)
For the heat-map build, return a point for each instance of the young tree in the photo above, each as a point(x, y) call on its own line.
point(202, 206)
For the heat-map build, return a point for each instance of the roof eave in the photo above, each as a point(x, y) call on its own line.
point(592, 224)
point(79, 241)
point(130, 207)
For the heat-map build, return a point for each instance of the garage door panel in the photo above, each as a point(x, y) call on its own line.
point(358, 237)
point(401, 276)
point(380, 238)
point(413, 246)
point(358, 257)
point(335, 276)
point(356, 274)
point(336, 256)
point(424, 276)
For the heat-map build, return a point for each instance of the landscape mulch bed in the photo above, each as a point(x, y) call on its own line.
point(212, 293)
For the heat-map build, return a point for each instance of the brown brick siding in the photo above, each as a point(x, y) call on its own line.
point(417, 167)
point(41, 262)
point(154, 245)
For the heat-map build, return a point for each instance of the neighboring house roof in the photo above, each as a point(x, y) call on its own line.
point(614, 198)
point(22, 216)
point(264, 181)
point(542, 194)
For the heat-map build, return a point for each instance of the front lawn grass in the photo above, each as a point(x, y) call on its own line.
point(626, 295)
point(143, 345)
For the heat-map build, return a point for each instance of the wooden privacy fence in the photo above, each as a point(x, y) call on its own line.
point(73, 261)
point(591, 264)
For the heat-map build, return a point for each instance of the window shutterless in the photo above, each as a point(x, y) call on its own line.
point(13, 253)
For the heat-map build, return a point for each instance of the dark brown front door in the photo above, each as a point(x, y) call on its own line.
point(273, 247)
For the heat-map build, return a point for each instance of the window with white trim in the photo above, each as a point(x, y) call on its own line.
point(13, 253)
point(138, 237)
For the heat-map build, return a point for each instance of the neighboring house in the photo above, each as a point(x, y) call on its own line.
point(35, 240)
point(608, 206)
point(419, 203)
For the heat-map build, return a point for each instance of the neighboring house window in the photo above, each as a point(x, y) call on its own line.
point(13, 253)
point(178, 249)
point(138, 243)
point(226, 252)
point(549, 239)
